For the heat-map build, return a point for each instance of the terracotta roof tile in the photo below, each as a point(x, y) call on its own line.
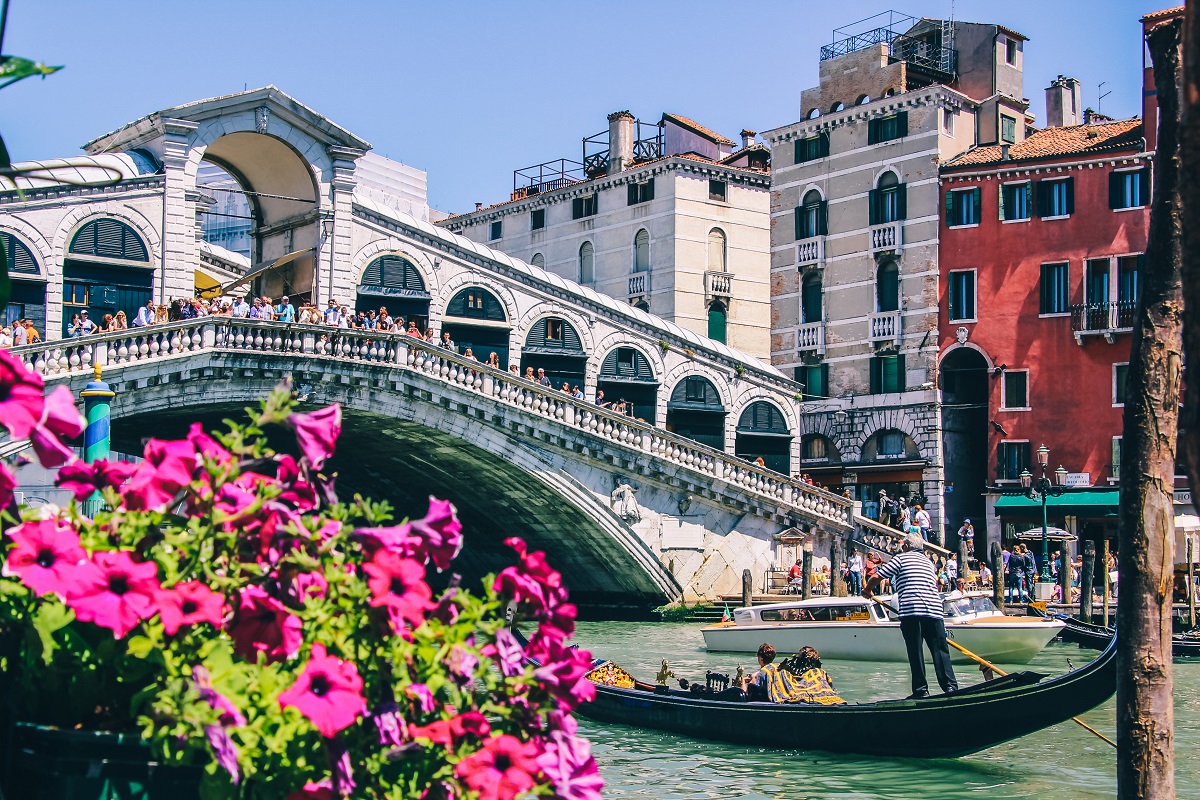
point(698, 128)
point(1166, 12)
point(1055, 142)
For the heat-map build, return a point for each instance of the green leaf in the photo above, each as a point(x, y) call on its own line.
point(15, 68)
point(140, 646)
point(51, 617)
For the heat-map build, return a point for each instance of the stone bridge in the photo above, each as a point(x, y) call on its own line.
point(634, 515)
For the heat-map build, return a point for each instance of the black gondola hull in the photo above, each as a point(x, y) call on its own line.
point(942, 726)
point(1097, 637)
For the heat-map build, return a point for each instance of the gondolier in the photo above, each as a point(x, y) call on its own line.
point(921, 612)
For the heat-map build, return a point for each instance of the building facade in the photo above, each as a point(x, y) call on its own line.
point(855, 211)
point(668, 217)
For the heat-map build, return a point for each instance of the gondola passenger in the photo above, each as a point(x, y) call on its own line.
point(775, 685)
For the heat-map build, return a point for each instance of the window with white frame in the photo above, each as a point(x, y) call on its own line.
point(962, 295)
point(1012, 457)
point(962, 207)
point(1120, 373)
point(1015, 391)
point(1129, 189)
point(495, 230)
point(1016, 201)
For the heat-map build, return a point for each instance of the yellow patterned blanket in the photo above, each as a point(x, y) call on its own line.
point(609, 674)
point(813, 686)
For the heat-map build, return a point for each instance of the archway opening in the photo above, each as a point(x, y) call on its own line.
point(695, 411)
point(890, 461)
point(280, 195)
point(475, 318)
point(554, 345)
point(107, 269)
point(28, 297)
point(626, 376)
point(763, 433)
point(394, 283)
point(228, 213)
point(965, 389)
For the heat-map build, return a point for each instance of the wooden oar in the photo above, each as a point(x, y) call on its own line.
point(983, 662)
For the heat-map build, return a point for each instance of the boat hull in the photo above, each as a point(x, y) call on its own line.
point(942, 726)
point(999, 642)
point(1097, 637)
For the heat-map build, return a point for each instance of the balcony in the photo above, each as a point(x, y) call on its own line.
point(888, 236)
point(811, 252)
point(1102, 319)
point(639, 284)
point(885, 326)
point(718, 286)
point(810, 338)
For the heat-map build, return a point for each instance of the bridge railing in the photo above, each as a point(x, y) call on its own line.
point(68, 356)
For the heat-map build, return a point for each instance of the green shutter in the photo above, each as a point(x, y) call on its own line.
point(577, 208)
point(1144, 185)
point(1070, 195)
point(823, 145)
point(650, 189)
point(824, 377)
point(902, 201)
point(873, 207)
point(873, 131)
point(902, 124)
point(876, 369)
point(632, 194)
point(1002, 217)
point(1114, 190)
point(823, 218)
point(950, 199)
point(799, 223)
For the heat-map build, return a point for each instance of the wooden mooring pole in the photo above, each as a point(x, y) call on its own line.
point(747, 589)
point(997, 560)
point(806, 566)
point(1104, 571)
point(1086, 574)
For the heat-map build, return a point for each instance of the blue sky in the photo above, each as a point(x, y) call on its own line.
point(470, 91)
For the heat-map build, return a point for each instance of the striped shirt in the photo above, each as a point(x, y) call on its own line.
point(915, 584)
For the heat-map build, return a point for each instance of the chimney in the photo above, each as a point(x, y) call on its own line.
point(1004, 156)
point(620, 141)
point(747, 137)
point(1063, 107)
point(478, 206)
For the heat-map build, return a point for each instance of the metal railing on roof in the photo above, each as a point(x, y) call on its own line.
point(546, 177)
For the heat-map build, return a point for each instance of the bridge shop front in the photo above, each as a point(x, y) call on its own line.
point(394, 283)
point(695, 411)
point(475, 320)
point(554, 345)
point(763, 433)
point(626, 375)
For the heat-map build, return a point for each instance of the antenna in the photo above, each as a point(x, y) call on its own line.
point(1101, 96)
point(947, 59)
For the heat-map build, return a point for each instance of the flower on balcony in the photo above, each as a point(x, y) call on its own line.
point(328, 692)
point(114, 592)
point(46, 556)
point(503, 769)
point(190, 603)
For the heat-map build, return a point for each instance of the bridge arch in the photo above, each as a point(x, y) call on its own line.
point(627, 374)
point(277, 168)
point(400, 451)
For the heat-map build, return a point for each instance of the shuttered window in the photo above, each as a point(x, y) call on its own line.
point(583, 207)
point(762, 417)
point(889, 201)
point(962, 207)
point(1055, 288)
point(538, 260)
point(717, 190)
point(716, 250)
point(886, 129)
point(1056, 198)
point(641, 251)
point(394, 272)
point(641, 192)
point(812, 148)
point(814, 380)
point(109, 238)
point(1016, 201)
point(18, 257)
point(811, 216)
point(537, 219)
point(887, 373)
point(1011, 459)
point(1129, 189)
point(695, 390)
point(586, 263)
point(554, 333)
point(628, 363)
point(495, 230)
point(718, 322)
point(476, 303)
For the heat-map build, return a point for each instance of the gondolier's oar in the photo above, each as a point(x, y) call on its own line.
point(983, 662)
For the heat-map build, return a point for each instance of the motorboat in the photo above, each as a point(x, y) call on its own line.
point(858, 629)
point(941, 726)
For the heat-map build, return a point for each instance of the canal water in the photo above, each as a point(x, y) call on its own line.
point(1063, 761)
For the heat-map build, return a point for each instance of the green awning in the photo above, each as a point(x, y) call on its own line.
point(1075, 504)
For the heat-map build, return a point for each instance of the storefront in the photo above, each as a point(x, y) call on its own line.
point(695, 411)
point(626, 376)
point(475, 319)
point(394, 283)
point(554, 345)
point(763, 433)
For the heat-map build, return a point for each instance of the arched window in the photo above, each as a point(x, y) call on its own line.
point(863, 100)
point(587, 272)
point(718, 319)
point(814, 113)
point(109, 238)
point(716, 251)
point(836, 107)
point(641, 251)
point(888, 200)
point(810, 298)
point(815, 447)
point(475, 302)
point(538, 260)
point(393, 272)
point(810, 217)
point(887, 287)
point(18, 256)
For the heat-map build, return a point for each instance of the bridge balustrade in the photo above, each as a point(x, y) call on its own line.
point(179, 339)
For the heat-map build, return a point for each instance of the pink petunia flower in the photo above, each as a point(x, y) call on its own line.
point(167, 468)
point(317, 433)
point(8, 483)
point(569, 765)
point(314, 791)
point(398, 584)
point(60, 419)
point(507, 653)
point(449, 732)
point(328, 693)
point(501, 770)
point(263, 624)
point(308, 585)
point(21, 400)
point(461, 664)
point(562, 670)
point(441, 532)
point(83, 479)
point(206, 446)
point(297, 492)
point(189, 603)
point(393, 730)
point(423, 697)
point(47, 556)
point(116, 592)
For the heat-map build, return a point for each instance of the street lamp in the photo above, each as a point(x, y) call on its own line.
point(1041, 489)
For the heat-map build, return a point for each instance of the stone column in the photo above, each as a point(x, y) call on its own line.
point(334, 271)
point(175, 276)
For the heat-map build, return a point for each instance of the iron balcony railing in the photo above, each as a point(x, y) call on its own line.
point(1102, 319)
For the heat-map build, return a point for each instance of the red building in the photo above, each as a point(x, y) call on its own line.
point(1040, 256)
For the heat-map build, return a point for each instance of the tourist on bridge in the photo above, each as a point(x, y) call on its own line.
point(240, 308)
point(332, 313)
point(855, 568)
point(542, 379)
point(285, 311)
point(921, 613)
point(493, 360)
point(145, 315)
point(412, 330)
point(447, 343)
point(903, 516)
point(920, 518)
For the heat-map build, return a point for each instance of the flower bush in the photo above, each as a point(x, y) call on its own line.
point(229, 607)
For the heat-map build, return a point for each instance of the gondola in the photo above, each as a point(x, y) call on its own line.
point(1097, 637)
point(942, 726)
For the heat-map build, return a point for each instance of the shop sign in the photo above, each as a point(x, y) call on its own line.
point(1078, 479)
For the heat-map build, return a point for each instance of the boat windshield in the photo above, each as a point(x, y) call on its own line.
point(964, 606)
point(846, 613)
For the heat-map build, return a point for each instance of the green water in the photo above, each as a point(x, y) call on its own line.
point(1064, 761)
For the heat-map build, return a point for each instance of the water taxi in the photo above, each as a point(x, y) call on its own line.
point(856, 629)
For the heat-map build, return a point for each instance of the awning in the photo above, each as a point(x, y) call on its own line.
point(261, 267)
point(207, 286)
point(1075, 504)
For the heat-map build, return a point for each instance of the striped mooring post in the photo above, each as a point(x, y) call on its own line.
point(97, 407)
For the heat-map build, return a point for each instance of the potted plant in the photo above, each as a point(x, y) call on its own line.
point(226, 627)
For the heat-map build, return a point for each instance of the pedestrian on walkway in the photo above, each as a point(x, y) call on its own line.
point(855, 566)
point(921, 614)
